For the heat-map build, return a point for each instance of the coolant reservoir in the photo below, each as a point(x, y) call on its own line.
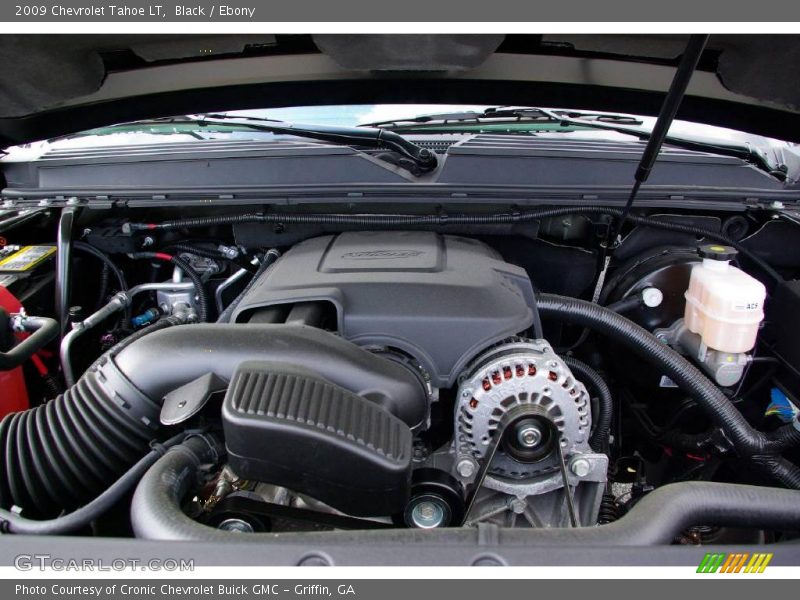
point(724, 305)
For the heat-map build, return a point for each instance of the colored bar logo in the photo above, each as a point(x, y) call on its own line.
point(738, 562)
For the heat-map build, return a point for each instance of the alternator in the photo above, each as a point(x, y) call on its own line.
point(525, 372)
point(524, 392)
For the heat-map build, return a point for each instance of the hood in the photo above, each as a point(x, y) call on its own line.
point(55, 85)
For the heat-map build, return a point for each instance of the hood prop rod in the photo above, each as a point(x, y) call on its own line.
point(672, 101)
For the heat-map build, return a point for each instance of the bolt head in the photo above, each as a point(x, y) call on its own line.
point(236, 526)
point(466, 467)
point(580, 467)
point(428, 514)
point(529, 435)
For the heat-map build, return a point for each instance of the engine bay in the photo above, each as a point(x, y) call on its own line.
point(243, 373)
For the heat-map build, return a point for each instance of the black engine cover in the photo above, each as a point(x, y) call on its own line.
point(439, 298)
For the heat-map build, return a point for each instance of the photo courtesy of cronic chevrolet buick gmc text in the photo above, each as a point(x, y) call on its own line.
point(397, 299)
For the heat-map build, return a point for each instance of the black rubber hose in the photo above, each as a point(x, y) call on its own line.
point(63, 453)
point(269, 259)
point(118, 274)
point(102, 292)
point(536, 326)
point(599, 440)
point(626, 304)
point(395, 220)
point(747, 441)
point(11, 522)
point(43, 330)
point(656, 519)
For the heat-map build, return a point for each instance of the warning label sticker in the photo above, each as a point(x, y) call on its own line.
point(26, 258)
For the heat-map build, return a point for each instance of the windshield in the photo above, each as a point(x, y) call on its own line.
point(160, 131)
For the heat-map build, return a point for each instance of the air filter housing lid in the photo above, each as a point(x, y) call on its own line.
point(287, 426)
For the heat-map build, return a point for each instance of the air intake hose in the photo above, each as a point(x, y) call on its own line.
point(59, 455)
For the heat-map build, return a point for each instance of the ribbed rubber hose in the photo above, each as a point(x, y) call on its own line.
point(11, 522)
point(747, 441)
point(656, 519)
point(63, 453)
point(599, 439)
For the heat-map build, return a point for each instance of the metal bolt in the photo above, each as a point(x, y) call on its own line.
point(466, 393)
point(428, 514)
point(236, 526)
point(517, 505)
point(466, 467)
point(147, 241)
point(580, 467)
point(529, 435)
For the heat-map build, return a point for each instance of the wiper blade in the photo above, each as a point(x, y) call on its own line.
point(423, 158)
point(742, 151)
point(500, 114)
point(623, 124)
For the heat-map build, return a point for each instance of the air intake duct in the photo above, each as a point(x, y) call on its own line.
point(285, 425)
point(62, 454)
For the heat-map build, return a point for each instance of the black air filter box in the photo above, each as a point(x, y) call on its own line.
point(287, 426)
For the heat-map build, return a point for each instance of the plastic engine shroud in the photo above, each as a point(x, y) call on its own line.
point(441, 299)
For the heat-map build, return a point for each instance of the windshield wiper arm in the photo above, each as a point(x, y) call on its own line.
point(502, 114)
point(424, 158)
point(742, 151)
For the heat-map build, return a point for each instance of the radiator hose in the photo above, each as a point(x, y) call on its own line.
point(656, 519)
point(761, 449)
point(64, 453)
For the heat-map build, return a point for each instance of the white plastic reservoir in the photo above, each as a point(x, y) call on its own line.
point(724, 305)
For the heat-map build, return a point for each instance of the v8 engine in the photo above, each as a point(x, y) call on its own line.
point(433, 303)
point(398, 372)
